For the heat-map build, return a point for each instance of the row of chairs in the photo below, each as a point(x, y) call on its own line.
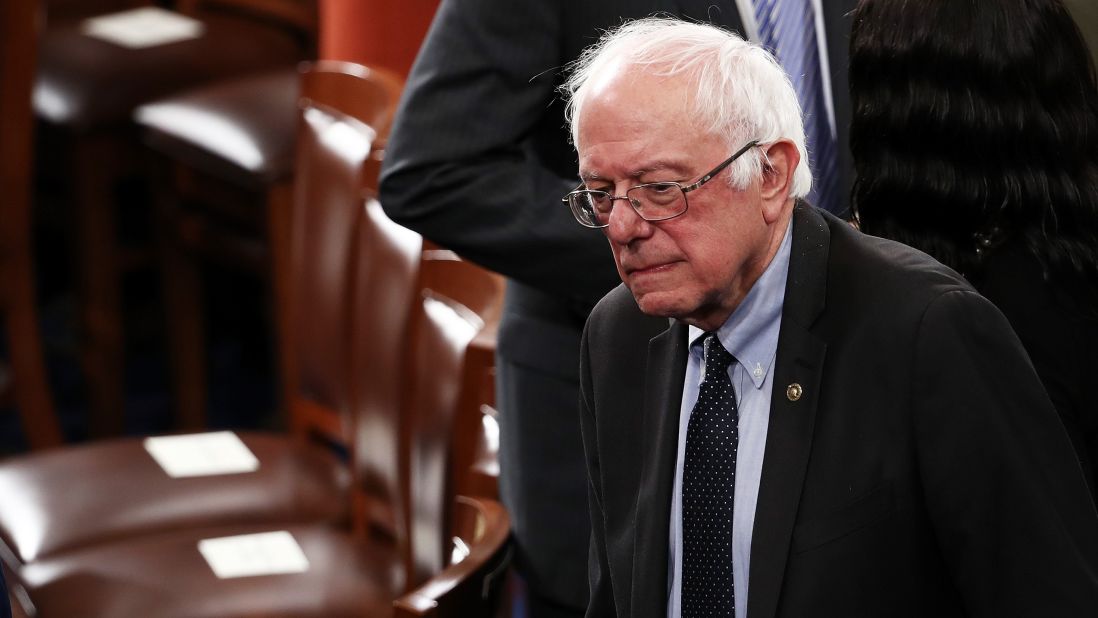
point(386, 354)
point(218, 112)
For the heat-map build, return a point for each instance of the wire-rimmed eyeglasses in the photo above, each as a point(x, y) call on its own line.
point(652, 201)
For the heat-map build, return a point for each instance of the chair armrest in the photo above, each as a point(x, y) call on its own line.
point(470, 587)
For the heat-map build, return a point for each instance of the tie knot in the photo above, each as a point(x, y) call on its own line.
point(716, 357)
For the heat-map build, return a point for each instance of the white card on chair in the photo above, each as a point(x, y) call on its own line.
point(246, 555)
point(144, 27)
point(202, 454)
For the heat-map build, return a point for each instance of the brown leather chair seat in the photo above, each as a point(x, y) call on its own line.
point(366, 569)
point(241, 131)
point(49, 509)
point(346, 577)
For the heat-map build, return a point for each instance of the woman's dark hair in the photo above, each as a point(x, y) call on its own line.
point(975, 121)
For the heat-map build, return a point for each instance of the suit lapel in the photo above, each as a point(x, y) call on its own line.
point(660, 430)
point(792, 411)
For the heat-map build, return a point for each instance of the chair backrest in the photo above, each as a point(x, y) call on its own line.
point(411, 360)
point(458, 300)
point(298, 16)
point(58, 11)
point(18, 35)
point(385, 296)
point(340, 105)
point(475, 445)
point(477, 289)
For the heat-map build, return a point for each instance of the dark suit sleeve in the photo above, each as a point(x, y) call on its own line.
point(5, 601)
point(601, 602)
point(1006, 495)
point(468, 162)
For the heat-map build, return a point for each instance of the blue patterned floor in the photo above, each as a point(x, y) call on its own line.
point(240, 358)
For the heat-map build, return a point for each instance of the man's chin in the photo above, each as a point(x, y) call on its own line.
point(659, 305)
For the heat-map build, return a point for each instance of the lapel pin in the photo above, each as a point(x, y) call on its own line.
point(793, 392)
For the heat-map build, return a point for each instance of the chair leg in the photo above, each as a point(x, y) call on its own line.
point(96, 173)
point(32, 394)
point(184, 305)
point(18, 309)
point(280, 241)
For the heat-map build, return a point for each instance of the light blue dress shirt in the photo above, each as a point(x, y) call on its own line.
point(751, 335)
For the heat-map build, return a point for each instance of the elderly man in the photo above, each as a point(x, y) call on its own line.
point(830, 424)
point(476, 162)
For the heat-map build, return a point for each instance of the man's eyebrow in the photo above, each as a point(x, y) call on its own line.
point(677, 167)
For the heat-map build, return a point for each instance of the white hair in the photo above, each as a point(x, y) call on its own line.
point(741, 92)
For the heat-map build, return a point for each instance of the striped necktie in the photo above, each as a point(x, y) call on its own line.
point(788, 29)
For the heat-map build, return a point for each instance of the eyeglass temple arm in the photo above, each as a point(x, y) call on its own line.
point(720, 168)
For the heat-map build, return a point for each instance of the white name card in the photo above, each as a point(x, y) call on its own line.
point(144, 27)
point(202, 454)
point(247, 555)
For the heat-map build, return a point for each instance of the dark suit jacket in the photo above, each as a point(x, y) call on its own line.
point(1057, 322)
point(923, 472)
point(1085, 13)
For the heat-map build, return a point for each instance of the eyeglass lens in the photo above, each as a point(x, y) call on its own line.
point(653, 202)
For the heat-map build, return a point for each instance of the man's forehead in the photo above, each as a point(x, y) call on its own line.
point(646, 83)
point(632, 102)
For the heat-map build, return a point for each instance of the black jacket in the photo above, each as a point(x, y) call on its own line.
point(922, 472)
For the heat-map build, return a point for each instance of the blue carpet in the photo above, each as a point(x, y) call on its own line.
point(240, 359)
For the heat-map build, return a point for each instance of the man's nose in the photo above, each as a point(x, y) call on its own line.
point(625, 224)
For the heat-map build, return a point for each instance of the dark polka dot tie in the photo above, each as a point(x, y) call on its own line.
point(708, 489)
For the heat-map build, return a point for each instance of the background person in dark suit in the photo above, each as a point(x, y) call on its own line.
point(5, 602)
point(1085, 13)
point(1015, 208)
point(477, 162)
point(891, 449)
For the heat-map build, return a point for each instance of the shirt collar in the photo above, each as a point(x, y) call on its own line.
point(751, 332)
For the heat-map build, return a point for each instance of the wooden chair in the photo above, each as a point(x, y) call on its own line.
point(470, 587)
point(224, 201)
point(476, 452)
point(70, 498)
point(437, 483)
point(85, 94)
point(395, 559)
point(18, 32)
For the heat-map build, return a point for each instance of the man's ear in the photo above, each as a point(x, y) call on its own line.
point(780, 160)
